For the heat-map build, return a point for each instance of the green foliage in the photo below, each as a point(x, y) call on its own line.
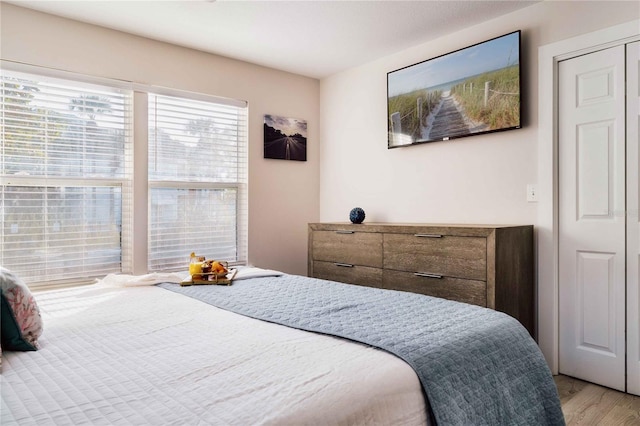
point(18, 131)
point(407, 105)
point(90, 105)
point(43, 222)
point(502, 109)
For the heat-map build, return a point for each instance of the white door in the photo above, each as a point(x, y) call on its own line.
point(633, 225)
point(591, 223)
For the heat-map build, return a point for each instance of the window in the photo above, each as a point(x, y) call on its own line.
point(65, 175)
point(197, 180)
point(67, 170)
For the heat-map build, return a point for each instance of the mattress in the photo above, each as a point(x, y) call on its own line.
point(144, 355)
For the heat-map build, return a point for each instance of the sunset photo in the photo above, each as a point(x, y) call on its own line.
point(285, 138)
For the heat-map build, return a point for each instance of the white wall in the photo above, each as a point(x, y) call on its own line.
point(478, 179)
point(283, 195)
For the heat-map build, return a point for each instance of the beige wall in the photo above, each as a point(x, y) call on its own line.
point(283, 195)
point(479, 179)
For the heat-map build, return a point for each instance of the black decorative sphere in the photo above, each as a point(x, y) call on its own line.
point(356, 215)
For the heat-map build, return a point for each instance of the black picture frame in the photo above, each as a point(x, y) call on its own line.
point(471, 91)
point(285, 138)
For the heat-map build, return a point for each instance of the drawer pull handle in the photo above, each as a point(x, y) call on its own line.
point(428, 235)
point(345, 232)
point(426, 275)
point(344, 265)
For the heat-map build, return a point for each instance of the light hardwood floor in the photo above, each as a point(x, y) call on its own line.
point(584, 403)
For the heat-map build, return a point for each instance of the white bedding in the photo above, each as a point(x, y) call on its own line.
point(144, 355)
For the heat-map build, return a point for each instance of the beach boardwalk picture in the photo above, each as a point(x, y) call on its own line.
point(472, 90)
point(285, 138)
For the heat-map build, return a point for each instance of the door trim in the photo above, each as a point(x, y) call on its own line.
point(547, 233)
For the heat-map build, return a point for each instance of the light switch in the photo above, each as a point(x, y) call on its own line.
point(532, 193)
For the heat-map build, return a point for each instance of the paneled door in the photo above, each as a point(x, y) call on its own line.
point(633, 222)
point(591, 223)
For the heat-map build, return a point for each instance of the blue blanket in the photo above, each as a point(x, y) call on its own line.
point(476, 366)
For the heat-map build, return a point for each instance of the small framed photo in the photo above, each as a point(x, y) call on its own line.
point(285, 138)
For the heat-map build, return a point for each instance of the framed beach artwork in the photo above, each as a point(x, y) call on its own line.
point(285, 138)
point(468, 92)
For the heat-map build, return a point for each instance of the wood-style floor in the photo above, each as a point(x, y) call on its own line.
point(588, 404)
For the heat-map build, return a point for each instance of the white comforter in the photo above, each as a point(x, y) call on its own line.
point(144, 355)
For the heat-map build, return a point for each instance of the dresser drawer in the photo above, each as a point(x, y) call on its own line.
point(347, 273)
point(356, 248)
point(461, 290)
point(451, 256)
point(486, 265)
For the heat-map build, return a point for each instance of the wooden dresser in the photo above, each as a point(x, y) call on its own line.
point(485, 265)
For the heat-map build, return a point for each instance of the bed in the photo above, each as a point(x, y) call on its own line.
point(164, 354)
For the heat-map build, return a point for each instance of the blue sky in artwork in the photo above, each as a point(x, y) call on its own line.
point(488, 56)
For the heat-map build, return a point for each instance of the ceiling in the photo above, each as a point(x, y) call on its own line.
point(311, 38)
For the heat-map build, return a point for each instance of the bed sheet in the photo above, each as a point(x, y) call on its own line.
point(145, 355)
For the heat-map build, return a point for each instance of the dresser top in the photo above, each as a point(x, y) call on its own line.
point(447, 225)
point(435, 228)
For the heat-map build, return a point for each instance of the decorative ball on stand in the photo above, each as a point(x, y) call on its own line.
point(356, 215)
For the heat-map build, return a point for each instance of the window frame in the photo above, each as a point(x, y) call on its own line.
point(122, 182)
point(240, 185)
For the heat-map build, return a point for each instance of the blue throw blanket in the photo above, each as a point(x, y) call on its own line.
point(476, 366)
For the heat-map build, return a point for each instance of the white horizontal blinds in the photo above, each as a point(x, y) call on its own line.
point(62, 233)
point(65, 172)
point(54, 129)
point(197, 179)
point(194, 141)
point(185, 220)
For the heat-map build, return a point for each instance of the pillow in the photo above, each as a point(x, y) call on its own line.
point(20, 320)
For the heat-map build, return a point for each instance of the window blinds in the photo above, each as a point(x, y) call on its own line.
point(65, 174)
point(197, 179)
